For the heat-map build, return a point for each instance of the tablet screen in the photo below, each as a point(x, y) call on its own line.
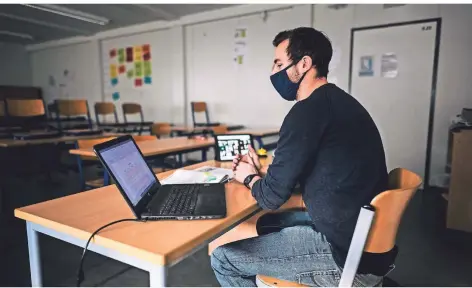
point(231, 145)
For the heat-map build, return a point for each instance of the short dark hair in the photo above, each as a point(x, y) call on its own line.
point(306, 41)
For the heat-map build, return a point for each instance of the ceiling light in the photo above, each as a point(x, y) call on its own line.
point(72, 13)
point(15, 34)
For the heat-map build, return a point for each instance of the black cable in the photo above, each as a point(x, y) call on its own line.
point(80, 271)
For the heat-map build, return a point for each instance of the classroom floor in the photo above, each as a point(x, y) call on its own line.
point(428, 255)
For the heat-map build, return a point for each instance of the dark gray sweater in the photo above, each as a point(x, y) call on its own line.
point(330, 145)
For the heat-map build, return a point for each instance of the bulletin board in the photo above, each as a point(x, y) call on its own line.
point(229, 65)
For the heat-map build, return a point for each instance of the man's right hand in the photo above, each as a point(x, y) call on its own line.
point(250, 158)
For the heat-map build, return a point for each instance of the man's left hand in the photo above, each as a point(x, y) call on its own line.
point(243, 170)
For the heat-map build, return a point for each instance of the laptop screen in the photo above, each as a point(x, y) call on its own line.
point(130, 170)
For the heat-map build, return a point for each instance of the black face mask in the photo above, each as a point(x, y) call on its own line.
point(286, 88)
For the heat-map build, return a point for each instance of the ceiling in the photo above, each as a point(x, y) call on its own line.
point(18, 21)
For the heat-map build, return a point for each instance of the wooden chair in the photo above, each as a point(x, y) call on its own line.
point(376, 227)
point(82, 160)
point(201, 107)
point(161, 129)
point(130, 109)
point(72, 108)
point(104, 109)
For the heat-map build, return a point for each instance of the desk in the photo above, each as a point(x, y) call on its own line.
point(258, 133)
point(5, 143)
point(149, 246)
point(160, 148)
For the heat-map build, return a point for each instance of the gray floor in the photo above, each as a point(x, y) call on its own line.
point(429, 255)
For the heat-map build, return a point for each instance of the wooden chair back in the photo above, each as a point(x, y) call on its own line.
point(25, 107)
point(389, 207)
point(104, 109)
point(72, 107)
point(199, 107)
point(132, 108)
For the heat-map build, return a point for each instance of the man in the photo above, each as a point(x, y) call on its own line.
point(330, 146)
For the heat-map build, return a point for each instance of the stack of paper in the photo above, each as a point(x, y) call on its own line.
point(204, 174)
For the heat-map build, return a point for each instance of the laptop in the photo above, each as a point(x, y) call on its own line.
point(145, 195)
point(229, 145)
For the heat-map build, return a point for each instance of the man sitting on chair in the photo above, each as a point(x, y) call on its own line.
point(328, 144)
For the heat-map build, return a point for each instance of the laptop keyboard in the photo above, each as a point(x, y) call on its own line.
point(181, 201)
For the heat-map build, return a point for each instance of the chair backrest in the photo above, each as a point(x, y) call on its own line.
point(198, 107)
point(132, 108)
point(104, 109)
point(70, 108)
point(220, 129)
point(25, 107)
point(376, 228)
point(389, 207)
point(161, 129)
point(140, 138)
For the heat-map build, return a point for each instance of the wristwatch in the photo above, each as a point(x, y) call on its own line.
point(248, 180)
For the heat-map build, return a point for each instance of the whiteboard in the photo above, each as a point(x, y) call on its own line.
point(155, 97)
point(239, 93)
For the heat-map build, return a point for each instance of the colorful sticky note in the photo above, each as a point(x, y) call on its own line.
point(147, 80)
point(147, 68)
point(129, 54)
point(138, 53)
point(121, 55)
point(130, 73)
point(112, 53)
point(113, 71)
point(114, 81)
point(116, 96)
point(122, 69)
point(138, 82)
point(146, 48)
point(147, 56)
point(138, 69)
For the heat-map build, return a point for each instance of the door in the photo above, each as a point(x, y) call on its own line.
point(392, 77)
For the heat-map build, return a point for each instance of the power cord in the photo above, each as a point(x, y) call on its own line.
point(80, 271)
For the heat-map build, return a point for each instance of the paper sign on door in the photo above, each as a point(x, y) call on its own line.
point(367, 66)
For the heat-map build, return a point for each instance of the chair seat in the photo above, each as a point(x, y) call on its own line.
point(266, 281)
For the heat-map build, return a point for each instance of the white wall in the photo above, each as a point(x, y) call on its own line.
point(83, 80)
point(453, 84)
point(15, 68)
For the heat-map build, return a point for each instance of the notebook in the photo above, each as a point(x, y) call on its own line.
point(205, 174)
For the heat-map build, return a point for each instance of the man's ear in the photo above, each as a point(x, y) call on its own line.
point(307, 63)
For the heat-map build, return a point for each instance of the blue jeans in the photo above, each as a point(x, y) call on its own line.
point(289, 249)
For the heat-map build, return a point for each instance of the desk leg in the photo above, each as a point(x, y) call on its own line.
point(259, 141)
point(204, 154)
point(158, 276)
point(181, 162)
point(34, 256)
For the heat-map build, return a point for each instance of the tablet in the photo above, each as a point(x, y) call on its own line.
point(229, 145)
